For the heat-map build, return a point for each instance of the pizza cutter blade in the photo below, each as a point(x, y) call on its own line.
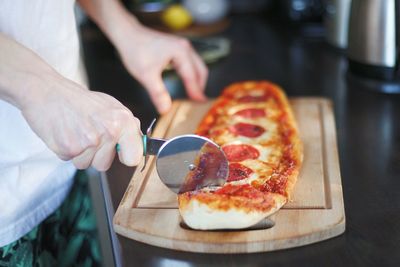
point(187, 162)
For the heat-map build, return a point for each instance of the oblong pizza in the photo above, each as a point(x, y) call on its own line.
point(253, 123)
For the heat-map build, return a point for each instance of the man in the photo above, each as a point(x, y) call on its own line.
point(51, 124)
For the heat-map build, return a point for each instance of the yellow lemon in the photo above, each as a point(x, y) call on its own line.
point(176, 17)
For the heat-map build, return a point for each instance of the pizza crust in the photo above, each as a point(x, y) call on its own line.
point(203, 216)
point(297, 145)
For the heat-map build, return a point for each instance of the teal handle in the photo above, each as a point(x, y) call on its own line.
point(144, 141)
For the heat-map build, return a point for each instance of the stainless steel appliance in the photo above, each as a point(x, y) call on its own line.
point(336, 20)
point(373, 40)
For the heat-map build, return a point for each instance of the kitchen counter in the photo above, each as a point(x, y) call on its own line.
point(304, 65)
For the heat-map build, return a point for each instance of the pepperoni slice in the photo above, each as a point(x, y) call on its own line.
point(252, 99)
point(247, 129)
point(243, 190)
point(240, 152)
point(251, 113)
point(238, 172)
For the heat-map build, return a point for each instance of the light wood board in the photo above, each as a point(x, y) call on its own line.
point(148, 211)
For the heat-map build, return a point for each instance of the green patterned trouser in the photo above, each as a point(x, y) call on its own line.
point(68, 237)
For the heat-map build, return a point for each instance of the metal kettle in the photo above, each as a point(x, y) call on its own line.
point(373, 38)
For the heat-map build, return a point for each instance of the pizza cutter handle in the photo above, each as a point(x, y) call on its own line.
point(151, 146)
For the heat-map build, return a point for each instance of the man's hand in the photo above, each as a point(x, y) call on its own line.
point(84, 126)
point(146, 53)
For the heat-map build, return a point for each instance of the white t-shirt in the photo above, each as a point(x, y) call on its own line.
point(33, 181)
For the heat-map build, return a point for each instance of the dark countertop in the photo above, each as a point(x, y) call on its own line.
point(304, 65)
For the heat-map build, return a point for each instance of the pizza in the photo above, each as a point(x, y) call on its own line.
point(253, 123)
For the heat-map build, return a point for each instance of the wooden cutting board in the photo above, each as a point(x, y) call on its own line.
point(148, 211)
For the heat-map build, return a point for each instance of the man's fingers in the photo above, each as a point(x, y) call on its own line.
point(104, 156)
point(158, 93)
point(201, 69)
point(130, 144)
point(84, 160)
point(187, 68)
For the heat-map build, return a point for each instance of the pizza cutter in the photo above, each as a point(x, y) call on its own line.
point(186, 162)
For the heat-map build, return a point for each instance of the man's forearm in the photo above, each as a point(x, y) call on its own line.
point(112, 18)
point(22, 73)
